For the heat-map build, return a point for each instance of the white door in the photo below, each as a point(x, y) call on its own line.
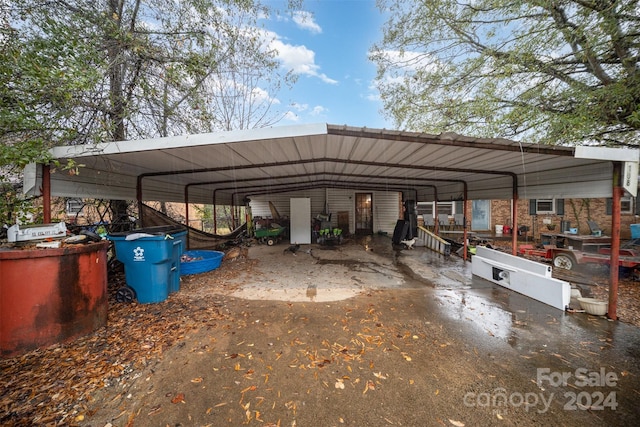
point(480, 214)
point(300, 221)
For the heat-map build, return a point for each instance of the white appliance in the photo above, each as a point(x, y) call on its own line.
point(300, 220)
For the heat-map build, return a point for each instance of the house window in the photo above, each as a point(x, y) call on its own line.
point(425, 209)
point(626, 205)
point(444, 208)
point(545, 206)
point(74, 207)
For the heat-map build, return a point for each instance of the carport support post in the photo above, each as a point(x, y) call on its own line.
point(465, 245)
point(615, 242)
point(514, 216)
point(436, 220)
point(139, 198)
point(215, 216)
point(186, 204)
point(233, 211)
point(514, 222)
point(46, 193)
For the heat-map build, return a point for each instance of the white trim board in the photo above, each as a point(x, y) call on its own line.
point(522, 276)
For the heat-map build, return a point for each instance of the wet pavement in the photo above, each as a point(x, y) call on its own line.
point(584, 348)
point(368, 334)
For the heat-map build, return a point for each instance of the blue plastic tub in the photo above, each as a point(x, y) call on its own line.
point(196, 262)
point(151, 258)
point(635, 231)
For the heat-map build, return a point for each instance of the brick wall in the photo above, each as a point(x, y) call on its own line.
point(576, 211)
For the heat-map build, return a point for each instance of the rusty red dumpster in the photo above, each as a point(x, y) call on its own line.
point(49, 295)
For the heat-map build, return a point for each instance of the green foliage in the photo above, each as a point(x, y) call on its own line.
point(81, 72)
point(551, 72)
point(14, 208)
point(40, 77)
point(224, 219)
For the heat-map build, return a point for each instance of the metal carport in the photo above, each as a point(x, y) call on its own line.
point(236, 164)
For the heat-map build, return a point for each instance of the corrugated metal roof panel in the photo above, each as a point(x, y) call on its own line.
point(239, 163)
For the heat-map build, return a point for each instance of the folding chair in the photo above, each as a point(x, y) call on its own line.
point(459, 218)
point(429, 222)
point(443, 221)
point(594, 228)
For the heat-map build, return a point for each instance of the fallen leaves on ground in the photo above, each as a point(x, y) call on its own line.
point(628, 300)
point(178, 398)
point(54, 386)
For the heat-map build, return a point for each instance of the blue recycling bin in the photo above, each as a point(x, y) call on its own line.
point(151, 258)
point(179, 234)
point(179, 248)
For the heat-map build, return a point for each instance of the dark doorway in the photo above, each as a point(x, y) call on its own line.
point(364, 213)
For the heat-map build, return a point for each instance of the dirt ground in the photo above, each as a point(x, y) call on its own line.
point(360, 334)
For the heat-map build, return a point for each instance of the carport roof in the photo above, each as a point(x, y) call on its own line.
point(239, 164)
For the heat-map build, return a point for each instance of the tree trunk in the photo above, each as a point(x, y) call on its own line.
point(120, 217)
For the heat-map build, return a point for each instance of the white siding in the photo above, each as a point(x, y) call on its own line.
point(386, 206)
point(386, 211)
point(260, 203)
point(340, 200)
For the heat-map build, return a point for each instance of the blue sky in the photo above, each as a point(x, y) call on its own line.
point(326, 45)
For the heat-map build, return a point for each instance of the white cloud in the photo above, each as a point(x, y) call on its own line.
point(318, 110)
point(300, 107)
point(291, 116)
point(298, 59)
point(326, 79)
point(260, 94)
point(306, 21)
point(298, 110)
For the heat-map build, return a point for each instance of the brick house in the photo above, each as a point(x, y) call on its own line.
point(541, 215)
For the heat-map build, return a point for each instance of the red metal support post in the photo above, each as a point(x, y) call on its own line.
point(215, 216)
point(615, 241)
point(514, 226)
point(186, 204)
point(465, 245)
point(232, 208)
point(139, 199)
point(436, 221)
point(46, 194)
